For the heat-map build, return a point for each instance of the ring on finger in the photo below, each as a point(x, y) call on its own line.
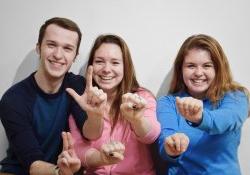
point(134, 106)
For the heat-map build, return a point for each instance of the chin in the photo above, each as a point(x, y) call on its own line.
point(106, 88)
point(57, 74)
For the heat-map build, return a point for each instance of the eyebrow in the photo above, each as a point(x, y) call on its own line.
point(116, 59)
point(112, 59)
point(66, 45)
point(209, 62)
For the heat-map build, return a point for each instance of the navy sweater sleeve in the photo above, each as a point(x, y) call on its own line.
point(15, 113)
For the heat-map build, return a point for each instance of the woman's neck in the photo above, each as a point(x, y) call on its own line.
point(111, 97)
point(110, 100)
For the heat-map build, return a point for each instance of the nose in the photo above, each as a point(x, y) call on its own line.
point(106, 68)
point(58, 53)
point(198, 71)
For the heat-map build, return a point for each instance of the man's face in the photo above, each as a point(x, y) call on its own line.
point(57, 51)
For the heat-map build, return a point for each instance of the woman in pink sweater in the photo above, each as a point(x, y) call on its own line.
point(127, 110)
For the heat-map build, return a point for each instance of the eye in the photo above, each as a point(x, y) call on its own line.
point(51, 45)
point(98, 61)
point(210, 65)
point(68, 49)
point(191, 66)
point(116, 63)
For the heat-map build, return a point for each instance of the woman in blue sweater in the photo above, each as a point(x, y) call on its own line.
point(202, 116)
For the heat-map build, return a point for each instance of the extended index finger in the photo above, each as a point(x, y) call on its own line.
point(89, 77)
point(70, 140)
point(65, 141)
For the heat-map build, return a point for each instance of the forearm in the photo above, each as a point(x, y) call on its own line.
point(42, 168)
point(228, 117)
point(220, 122)
point(92, 128)
point(141, 126)
point(147, 128)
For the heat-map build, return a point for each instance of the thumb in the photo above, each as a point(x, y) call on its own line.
point(73, 94)
point(177, 99)
point(118, 155)
point(178, 103)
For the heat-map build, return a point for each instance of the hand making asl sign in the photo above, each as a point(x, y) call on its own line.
point(176, 144)
point(68, 162)
point(112, 152)
point(190, 108)
point(93, 100)
point(132, 107)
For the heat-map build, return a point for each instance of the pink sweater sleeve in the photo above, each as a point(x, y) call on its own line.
point(150, 114)
point(81, 145)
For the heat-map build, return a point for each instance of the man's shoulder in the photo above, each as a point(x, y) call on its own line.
point(77, 82)
point(19, 90)
point(71, 77)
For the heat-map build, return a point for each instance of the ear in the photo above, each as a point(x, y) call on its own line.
point(38, 49)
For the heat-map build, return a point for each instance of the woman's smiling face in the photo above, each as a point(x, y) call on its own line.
point(108, 69)
point(198, 72)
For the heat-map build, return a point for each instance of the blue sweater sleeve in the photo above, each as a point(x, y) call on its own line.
point(232, 111)
point(168, 118)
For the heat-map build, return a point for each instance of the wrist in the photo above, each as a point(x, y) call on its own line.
point(136, 120)
point(93, 116)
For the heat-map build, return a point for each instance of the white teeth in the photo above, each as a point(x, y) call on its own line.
point(198, 81)
point(106, 78)
point(56, 63)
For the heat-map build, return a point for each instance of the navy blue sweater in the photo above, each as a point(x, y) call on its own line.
point(34, 120)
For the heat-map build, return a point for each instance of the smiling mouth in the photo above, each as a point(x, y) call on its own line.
point(105, 78)
point(198, 82)
point(55, 63)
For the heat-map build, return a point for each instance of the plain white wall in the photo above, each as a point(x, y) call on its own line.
point(153, 30)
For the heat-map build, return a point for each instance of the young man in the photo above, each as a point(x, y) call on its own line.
point(35, 111)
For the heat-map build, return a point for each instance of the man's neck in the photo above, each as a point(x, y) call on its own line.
point(48, 84)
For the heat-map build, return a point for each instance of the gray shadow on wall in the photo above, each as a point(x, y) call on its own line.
point(165, 85)
point(29, 65)
point(83, 69)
